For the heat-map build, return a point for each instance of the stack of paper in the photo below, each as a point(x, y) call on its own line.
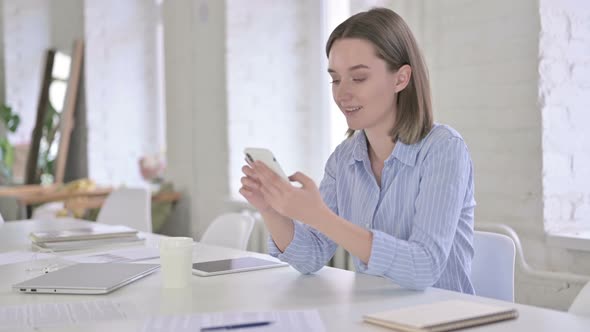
point(85, 237)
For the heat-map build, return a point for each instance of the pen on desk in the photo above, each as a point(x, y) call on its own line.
point(234, 326)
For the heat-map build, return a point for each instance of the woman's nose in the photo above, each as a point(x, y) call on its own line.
point(342, 93)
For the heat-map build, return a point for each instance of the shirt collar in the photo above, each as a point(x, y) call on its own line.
point(359, 151)
point(405, 153)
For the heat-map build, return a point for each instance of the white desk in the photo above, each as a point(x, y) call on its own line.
point(341, 297)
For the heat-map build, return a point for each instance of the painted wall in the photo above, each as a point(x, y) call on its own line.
point(122, 88)
point(564, 84)
point(274, 79)
point(196, 117)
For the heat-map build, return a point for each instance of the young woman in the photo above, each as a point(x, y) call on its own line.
point(397, 194)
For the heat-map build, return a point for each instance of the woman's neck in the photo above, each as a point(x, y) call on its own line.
point(379, 145)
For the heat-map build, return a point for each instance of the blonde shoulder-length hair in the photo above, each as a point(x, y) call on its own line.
point(394, 43)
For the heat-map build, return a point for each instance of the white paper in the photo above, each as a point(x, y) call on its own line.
point(284, 321)
point(57, 314)
point(117, 256)
point(22, 256)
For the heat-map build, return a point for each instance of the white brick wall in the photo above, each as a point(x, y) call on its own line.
point(26, 37)
point(484, 61)
point(122, 88)
point(29, 28)
point(564, 83)
point(273, 60)
point(482, 57)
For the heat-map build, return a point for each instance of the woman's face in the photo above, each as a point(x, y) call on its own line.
point(362, 86)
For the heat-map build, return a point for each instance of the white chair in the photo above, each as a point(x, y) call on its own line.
point(492, 269)
point(231, 230)
point(128, 206)
point(581, 304)
point(1, 219)
point(47, 211)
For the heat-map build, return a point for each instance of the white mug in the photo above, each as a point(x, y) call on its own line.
point(176, 257)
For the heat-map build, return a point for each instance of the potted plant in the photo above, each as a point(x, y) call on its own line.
point(10, 121)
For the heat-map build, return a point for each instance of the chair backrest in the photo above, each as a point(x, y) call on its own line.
point(581, 304)
point(230, 230)
point(128, 206)
point(1, 219)
point(47, 211)
point(492, 269)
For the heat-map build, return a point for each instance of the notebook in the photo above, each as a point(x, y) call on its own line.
point(86, 244)
point(97, 231)
point(86, 278)
point(441, 316)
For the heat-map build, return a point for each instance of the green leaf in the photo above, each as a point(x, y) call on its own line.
point(11, 120)
point(13, 123)
point(7, 156)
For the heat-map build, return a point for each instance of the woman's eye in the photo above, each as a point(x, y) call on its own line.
point(335, 82)
point(358, 80)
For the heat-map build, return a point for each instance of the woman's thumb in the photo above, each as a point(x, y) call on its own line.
point(301, 178)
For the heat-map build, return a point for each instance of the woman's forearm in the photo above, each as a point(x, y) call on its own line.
point(355, 239)
point(281, 228)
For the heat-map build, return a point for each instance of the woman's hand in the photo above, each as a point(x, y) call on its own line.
point(251, 190)
point(304, 204)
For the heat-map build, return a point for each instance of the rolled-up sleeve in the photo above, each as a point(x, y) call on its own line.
point(418, 262)
point(310, 250)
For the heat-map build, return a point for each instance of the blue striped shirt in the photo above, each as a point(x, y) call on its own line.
point(421, 217)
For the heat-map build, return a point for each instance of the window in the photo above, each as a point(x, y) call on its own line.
point(335, 12)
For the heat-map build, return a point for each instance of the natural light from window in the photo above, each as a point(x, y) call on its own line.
point(336, 12)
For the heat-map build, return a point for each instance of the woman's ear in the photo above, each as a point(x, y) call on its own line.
point(403, 75)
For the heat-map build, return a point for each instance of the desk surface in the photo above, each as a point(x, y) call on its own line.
point(341, 297)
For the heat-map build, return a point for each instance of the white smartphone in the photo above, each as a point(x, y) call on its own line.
point(265, 156)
